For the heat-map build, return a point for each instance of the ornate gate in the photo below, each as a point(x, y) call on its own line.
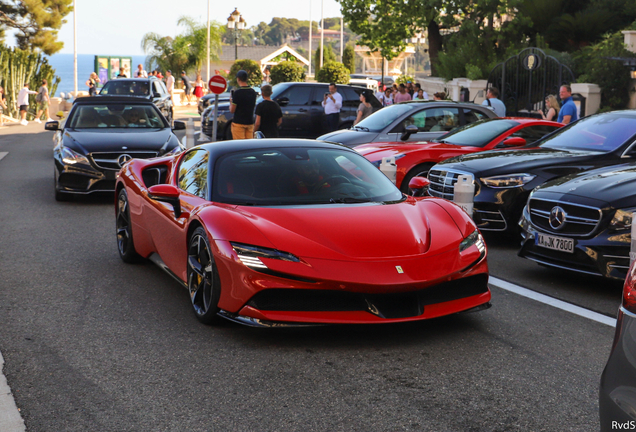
point(526, 79)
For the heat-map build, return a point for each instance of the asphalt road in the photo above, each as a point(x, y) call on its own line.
point(93, 344)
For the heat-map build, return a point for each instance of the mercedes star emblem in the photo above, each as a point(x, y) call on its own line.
point(123, 159)
point(557, 217)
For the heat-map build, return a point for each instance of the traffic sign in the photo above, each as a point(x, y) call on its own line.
point(217, 84)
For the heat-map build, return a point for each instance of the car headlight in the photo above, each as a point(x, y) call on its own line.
point(251, 255)
point(71, 157)
point(622, 219)
point(508, 180)
point(474, 238)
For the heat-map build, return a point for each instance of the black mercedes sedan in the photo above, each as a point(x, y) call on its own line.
point(504, 178)
point(582, 222)
point(100, 135)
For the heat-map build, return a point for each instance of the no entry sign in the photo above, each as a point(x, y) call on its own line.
point(217, 84)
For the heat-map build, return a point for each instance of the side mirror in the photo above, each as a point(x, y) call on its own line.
point(168, 194)
point(178, 125)
point(282, 101)
point(514, 142)
point(418, 186)
point(52, 126)
point(410, 130)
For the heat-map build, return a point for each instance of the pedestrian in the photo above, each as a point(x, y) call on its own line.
point(409, 88)
point(364, 109)
point(332, 103)
point(141, 73)
point(187, 87)
point(158, 74)
point(3, 105)
point(420, 95)
point(42, 98)
point(242, 103)
point(439, 96)
point(170, 82)
point(198, 87)
point(23, 103)
point(418, 88)
point(386, 98)
point(492, 100)
point(268, 114)
point(122, 73)
point(553, 108)
point(91, 83)
point(568, 112)
point(402, 95)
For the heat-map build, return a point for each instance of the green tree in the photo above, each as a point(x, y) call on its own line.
point(196, 42)
point(327, 56)
point(36, 21)
point(333, 72)
point(349, 58)
point(287, 71)
point(254, 74)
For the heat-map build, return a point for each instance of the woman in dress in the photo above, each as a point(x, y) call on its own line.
point(198, 87)
point(553, 107)
point(364, 109)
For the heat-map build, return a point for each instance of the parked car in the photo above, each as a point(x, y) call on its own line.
point(282, 232)
point(582, 222)
point(504, 178)
point(617, 400)
point(303, 114)
point(207, 99)
point(100, 135)
point(431, 118)
point(150, 88)
point(415, 159)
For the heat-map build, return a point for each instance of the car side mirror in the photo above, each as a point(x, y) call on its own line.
point(282, 101)
point(52, 126)
point(168, 194)
point(178, 125)
point(408, 131)
point(514, 142)
point(418, 186)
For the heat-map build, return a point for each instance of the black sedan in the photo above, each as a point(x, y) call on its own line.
point(427, 121)
point(150, 88)
point(582, 222)
point(503, 179)
point(100, 135)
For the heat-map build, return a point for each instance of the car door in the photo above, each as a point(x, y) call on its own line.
point(295, 105)
point(431, 123)
point(159, 98)
point(350, 104)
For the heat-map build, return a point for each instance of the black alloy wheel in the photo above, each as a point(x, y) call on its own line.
point(420, 170)
point(203, 279)
point(125, 244)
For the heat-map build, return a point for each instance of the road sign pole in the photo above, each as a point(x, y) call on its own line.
point(216, 112)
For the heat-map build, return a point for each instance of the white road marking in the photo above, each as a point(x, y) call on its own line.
point(3, 154)
point(551, 301)
point(10, 419)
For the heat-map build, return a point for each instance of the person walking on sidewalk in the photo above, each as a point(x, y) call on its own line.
point(187, 87)
point(242, 103)
point(170, 82)
point(23, 103)
point(268, 114)
point(332, 103)
point(42, 99)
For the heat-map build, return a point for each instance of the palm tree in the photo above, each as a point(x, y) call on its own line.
point(196, 36)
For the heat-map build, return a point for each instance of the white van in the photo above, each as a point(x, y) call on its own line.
point(368, 83)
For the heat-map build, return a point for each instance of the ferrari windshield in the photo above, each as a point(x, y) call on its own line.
point(602, 133)
point(478, 134)
point(299, 176)
point(120, 115)
point(377, 121)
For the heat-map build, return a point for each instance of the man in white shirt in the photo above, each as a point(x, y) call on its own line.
point(170, 82)
point(23, 103)
point(141, 73)
point(332, 103)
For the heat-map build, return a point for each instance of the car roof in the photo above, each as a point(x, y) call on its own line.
point(106, 99)
point(219, 148)
point(131, 79)
point(441, 102)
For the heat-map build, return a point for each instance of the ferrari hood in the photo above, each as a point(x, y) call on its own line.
point(346, 231)
point(376, 151)
point(113, 140)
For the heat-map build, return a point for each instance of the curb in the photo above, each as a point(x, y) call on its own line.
point(10, 419)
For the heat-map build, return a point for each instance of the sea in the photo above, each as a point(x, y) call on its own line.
point(63, 65)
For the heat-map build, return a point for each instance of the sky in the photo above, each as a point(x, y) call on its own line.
point(116, 27)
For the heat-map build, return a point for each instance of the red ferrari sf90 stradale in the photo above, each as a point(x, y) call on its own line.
point(289, 232)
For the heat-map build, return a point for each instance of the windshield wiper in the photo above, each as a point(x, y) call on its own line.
point(348, 200)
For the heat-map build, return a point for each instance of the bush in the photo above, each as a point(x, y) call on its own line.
point(287, 71)
point(327, 56)
point(349, 58)
point(403, 79)
point(333, 72)
point(254, 74)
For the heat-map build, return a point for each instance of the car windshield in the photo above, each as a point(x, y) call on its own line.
point(118, 115)
point(601, 133)
point(277, 89)
point(126, 88)
point(478, 134)
point(379, 120)
point(299, 176)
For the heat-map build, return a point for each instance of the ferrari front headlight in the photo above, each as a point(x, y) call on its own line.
point(474, 238)
point(622, 219)
point(71, 157)
point(251, 255)
point(508, 180)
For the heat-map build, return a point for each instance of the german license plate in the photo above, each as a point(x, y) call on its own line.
point(555, 243)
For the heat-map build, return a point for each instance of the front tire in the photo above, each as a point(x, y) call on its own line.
point(203, 278)
point(420, 170)
point(125, 244)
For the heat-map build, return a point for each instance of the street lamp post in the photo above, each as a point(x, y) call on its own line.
point(236, 23)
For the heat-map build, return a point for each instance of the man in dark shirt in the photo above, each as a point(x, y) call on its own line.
point(268, 114)
point(242, 103)
point(187, 87)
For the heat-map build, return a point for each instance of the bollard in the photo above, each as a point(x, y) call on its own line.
point(389, 168)
point(464, 193)
point(190, 133)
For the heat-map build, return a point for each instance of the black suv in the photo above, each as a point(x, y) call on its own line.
point(301, 104)
point(150, 88)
